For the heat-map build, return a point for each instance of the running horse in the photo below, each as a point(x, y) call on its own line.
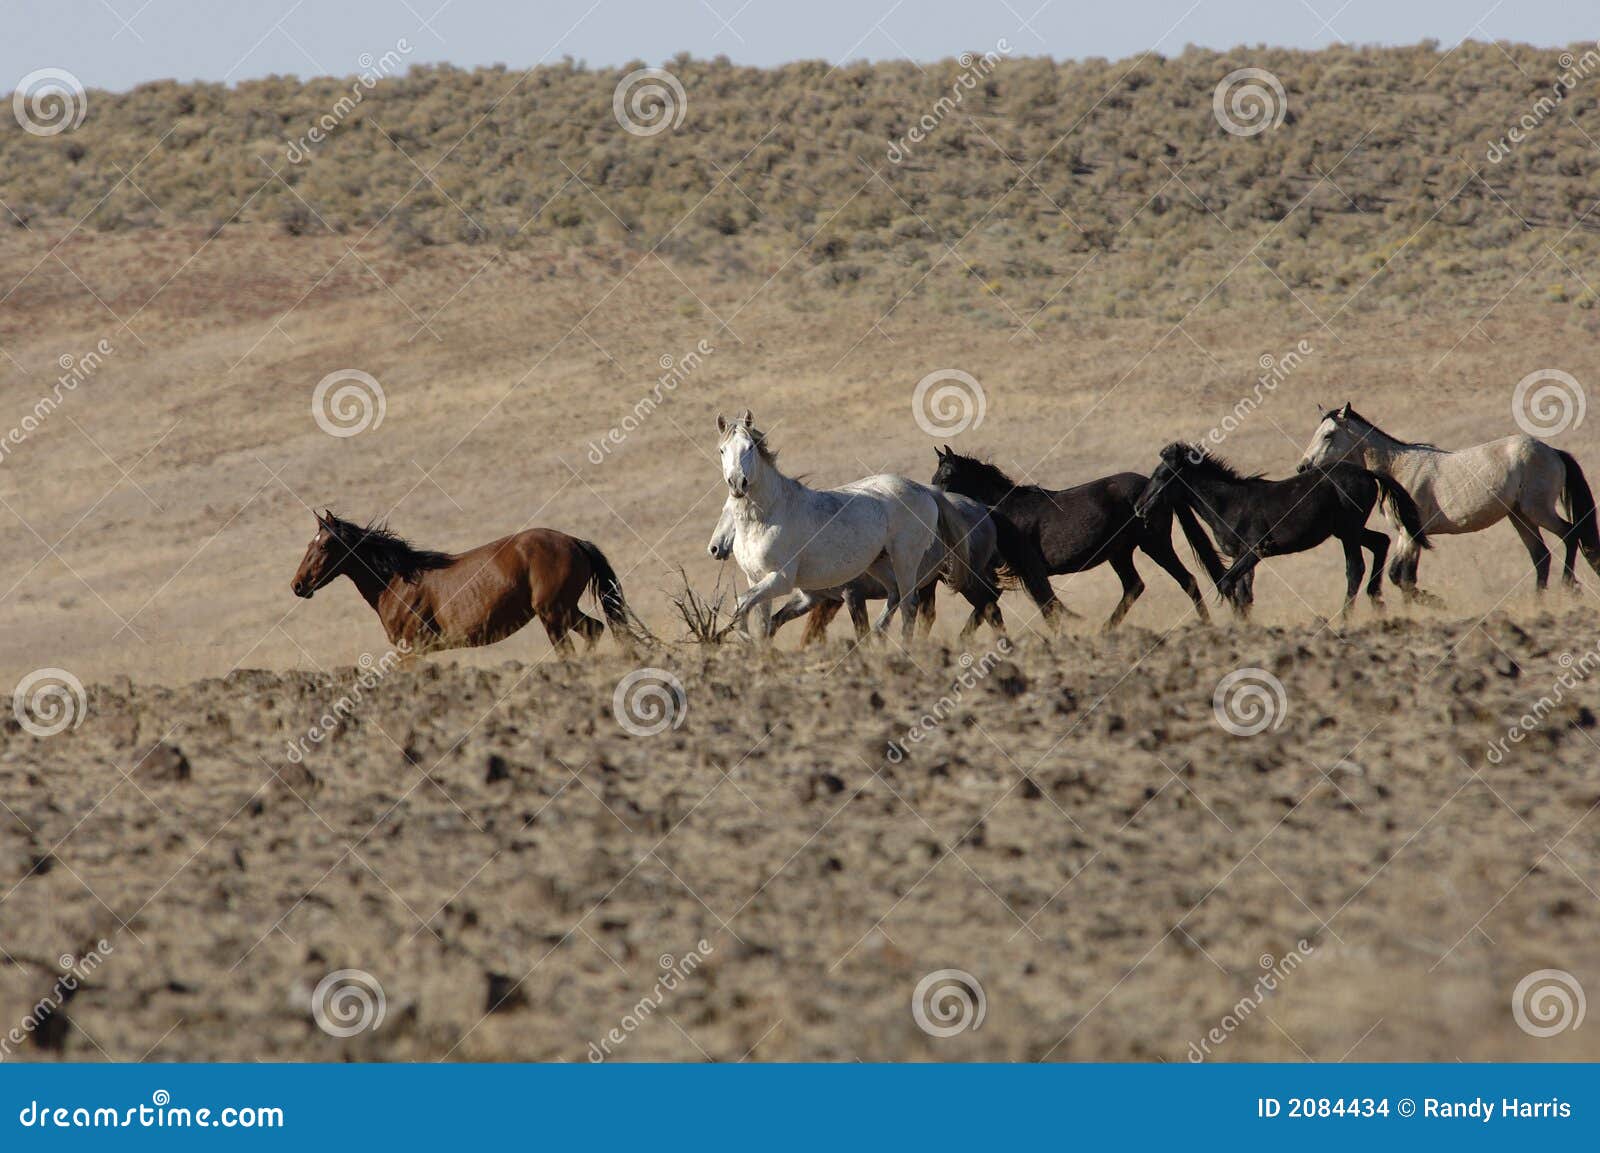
point(430, 601)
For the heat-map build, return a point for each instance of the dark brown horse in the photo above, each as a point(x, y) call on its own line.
point(436, 600)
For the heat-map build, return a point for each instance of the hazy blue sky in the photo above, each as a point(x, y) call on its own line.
point(118, 43)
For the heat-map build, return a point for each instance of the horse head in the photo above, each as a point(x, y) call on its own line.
point(326, 556)
point(1337, 437)
point(741, 451)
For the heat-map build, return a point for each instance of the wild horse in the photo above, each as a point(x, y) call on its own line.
point(436, 600)
point(1042, 532)
point(1255, 518)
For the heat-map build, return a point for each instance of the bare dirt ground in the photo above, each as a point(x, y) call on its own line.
point(1078, 832)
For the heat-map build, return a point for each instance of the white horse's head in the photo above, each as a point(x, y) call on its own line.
point(1337, 438)
point(741, 452)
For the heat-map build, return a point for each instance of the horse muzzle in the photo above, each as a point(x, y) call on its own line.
point(738, 488)
point(302, 589)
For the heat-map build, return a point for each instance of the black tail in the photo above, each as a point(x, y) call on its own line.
point(607, 590)
point(1399, 500)
point(1579, 499)
point(1199, 543)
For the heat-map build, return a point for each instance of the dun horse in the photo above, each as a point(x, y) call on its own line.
point(435, 600)
point(1469, 489)
point(1255, 518)
point(1041, 533)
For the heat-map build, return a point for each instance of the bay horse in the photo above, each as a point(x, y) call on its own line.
point(1042, 533)
point(981, 586)
point(788, 535)
point(1469, 489)
point(1255, 518)
point(435, 600)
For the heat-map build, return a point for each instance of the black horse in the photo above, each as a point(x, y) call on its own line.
point(1255, 518)
point(1041, 532)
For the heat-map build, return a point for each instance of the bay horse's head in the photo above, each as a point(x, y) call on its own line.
point(742, 450)
point(1339, 436)
point(326, 556)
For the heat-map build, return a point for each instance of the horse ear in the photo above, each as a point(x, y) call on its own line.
point(324, 517)
point(722, 425)
point(1344, 413)
point(746, 419)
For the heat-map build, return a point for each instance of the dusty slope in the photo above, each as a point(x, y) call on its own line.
point(1079, 834)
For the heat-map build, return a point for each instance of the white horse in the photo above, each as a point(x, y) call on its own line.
point(1520, 477)
point(788, 536)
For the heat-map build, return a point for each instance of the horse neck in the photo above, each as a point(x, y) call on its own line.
point(1212, 496)
point(769, 490)
point(1378, 450)
point(987, 489)
point(369, 584)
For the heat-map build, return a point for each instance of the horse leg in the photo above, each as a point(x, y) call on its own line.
point(1162, 553)
point(817, 621)
point(761, 594)
point(1036, 581)
point(926, 611)
point(799, 605)
point(555, 627)
point(591, 629)
point(984, 598)
point(857, 604)
point(1354, 570)
point(1551, 519)
point(1378, 545)
point(1535, 545)
point(1132, 587)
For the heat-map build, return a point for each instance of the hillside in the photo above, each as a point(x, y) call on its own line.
point(1036, 171)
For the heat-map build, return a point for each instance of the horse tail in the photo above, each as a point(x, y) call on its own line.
point(1398, 504)
point(953, 531)
point(607, 589)
point(1199, 543)
point(1579, 501)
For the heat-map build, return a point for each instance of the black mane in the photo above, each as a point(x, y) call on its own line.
point(384, 551)
point(1205, 464)
point(982, 471)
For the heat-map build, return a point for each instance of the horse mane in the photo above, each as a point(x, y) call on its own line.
point(386, 552)
point(984, 470)
point(1208, 464)
point(1354, 415)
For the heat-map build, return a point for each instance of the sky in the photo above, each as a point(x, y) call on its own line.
point(116, 44)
